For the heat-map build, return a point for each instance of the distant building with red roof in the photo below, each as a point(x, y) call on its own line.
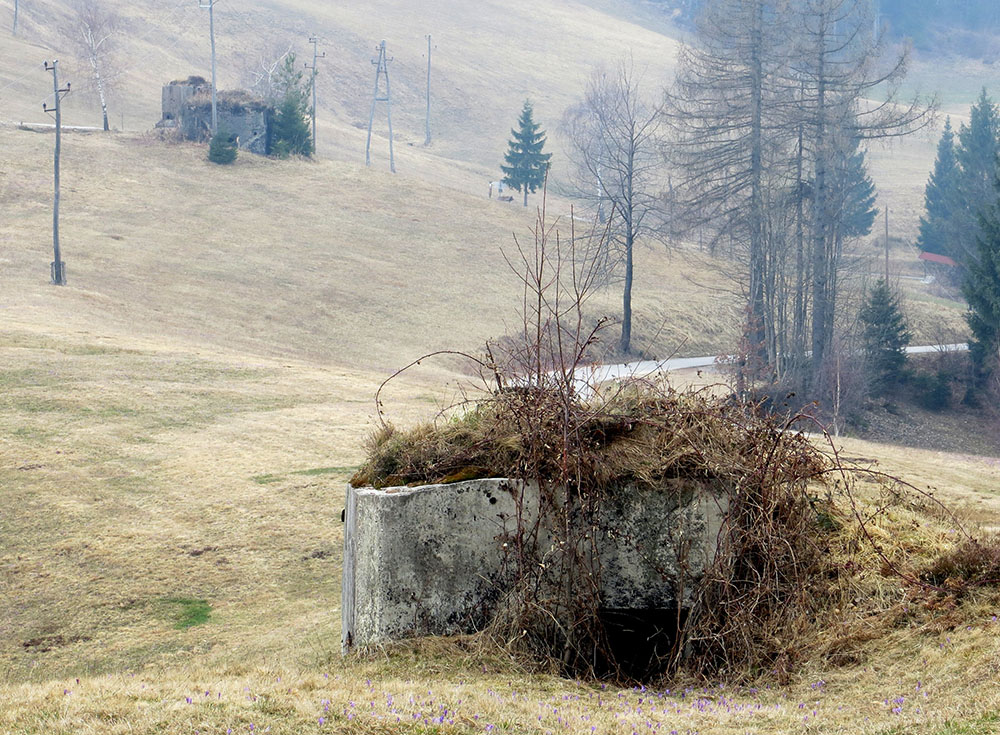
point(935, 258)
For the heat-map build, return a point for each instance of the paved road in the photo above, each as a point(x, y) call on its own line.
point(596, 374)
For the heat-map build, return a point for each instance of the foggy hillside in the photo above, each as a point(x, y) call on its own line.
point(969, 28)
point(487, 58)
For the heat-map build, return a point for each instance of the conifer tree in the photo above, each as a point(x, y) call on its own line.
point(982, 292)
point(526, 164)
point(223, 148)
point(884, 334)
point(976, 155)
point(290, 131)
point(856, 194)
point(939, 196)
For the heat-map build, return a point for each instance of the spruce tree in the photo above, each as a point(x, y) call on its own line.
point(982, 292)
point(290, 131)
point(223, 148)
point(939, 196)
point(526, 164)
point(884, 335)
point(976, 155)
point(857, 193)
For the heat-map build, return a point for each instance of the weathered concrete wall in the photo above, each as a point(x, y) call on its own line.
point(249, 125)
point(176, 95)
point(431, 561)
point(650, 536)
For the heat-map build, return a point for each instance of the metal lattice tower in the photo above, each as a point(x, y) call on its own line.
point(381, 72)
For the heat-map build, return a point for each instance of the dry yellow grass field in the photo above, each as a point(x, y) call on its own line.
point(140, 482)
point(178, 423)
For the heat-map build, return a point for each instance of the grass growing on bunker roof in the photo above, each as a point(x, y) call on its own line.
point(642, 435)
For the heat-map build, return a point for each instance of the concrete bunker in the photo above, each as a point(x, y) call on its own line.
point(435, 559)
point(187, 108)
point(175, 96)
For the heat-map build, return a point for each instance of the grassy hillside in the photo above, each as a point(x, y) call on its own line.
point(487, 58)
point(324, 261)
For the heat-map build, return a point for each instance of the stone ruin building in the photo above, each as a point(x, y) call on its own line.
point(187, 108)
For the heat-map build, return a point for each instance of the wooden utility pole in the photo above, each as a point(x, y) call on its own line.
point(15, 18)
point(316, 57)
point(427, 138)
point(210, 6)
point(58, 266)
point(347, 608)
point(381, 70)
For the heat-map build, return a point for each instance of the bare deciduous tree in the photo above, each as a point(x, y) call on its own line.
point(613, 134)
point(768, 110)
point(837, 64)
point(261, 71)
point(729, 109)
point(94, 30)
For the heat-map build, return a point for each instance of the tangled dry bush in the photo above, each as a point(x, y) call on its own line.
point(814, 557)
point(640, 435)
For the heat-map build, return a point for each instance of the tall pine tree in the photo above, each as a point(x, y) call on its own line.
point(939, 194)
point(982, 291)
point(526, 164)
point(976, 155)
point(856, 193)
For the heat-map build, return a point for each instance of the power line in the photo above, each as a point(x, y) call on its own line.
point(315, 71)
point(27, 77)
point(58, 266)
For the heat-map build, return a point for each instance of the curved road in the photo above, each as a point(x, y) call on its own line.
point(591, 375)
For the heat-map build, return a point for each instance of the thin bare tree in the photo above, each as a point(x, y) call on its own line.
point(614, 149)
point(94, 31)
point(769, 106)
point(261, 71)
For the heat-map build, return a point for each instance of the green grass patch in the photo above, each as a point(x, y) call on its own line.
point(271, 478)
point(187, 612)
point(327, 471)
point(31, 434)
point(266, 479)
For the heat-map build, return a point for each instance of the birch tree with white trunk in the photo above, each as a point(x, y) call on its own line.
point(94, 31)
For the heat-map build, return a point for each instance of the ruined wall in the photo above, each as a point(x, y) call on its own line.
point(175, 96)
point(430, 560)
point(249, 125)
